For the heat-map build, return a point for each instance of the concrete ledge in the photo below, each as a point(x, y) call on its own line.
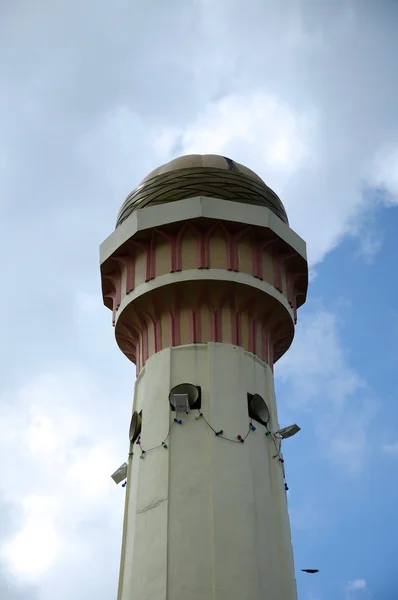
point(204, 275)
point(193, 208)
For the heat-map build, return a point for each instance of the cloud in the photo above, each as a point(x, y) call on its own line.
point(318, 380)
point(356, 589)
point(385, 171)
point(59, 446)
point(391, 449)
point(34, 549)
point(260, 127)
point(356, 584)
point(316, 364)
point(11, 588)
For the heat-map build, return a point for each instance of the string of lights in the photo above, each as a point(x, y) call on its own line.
point(218, 433)
point(162, 445)
point(278, 455)
point(241, 439)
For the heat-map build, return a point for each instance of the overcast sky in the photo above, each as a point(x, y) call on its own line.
point(93, 96)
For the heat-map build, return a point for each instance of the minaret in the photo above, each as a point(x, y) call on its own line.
point(204, 276)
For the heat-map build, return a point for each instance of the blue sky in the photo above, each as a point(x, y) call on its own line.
point(94, 96)
point(343, 499)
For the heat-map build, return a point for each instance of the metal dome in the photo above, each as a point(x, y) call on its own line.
point(201, 175)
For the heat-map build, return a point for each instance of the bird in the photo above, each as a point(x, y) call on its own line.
point(310, 570)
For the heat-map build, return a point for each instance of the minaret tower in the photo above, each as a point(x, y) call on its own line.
point(204, 276)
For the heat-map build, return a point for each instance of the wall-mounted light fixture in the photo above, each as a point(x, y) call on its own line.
point(120, 473)
point(287, 432)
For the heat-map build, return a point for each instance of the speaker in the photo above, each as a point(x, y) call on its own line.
point(135, 426)
point(185, 397)
point(258, 410)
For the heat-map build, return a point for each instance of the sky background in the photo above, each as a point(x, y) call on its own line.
point(93, 96)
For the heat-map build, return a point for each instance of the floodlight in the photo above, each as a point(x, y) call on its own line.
point(185, 397)
point(258, 410)
point(120, 473)
point(287, 432)
point(135, 426)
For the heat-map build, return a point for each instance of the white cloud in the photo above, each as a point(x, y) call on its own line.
point(385, 171)
point(316, 364)
point(258, 128)
point(59, 433)
point(370, 244)
point(320, 382)
point(356, 589)
point(34, 549)
point(356, 584)
point(391, 449)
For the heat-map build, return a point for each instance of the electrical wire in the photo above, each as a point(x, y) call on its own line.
point(220, 433)
point(278, 454)
point(162, 445)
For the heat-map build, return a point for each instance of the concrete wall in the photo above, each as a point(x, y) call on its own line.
point(206, 518)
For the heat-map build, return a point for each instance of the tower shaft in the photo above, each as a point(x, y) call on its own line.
point(206, 517)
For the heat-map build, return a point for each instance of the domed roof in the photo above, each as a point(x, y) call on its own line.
point(201, 175)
